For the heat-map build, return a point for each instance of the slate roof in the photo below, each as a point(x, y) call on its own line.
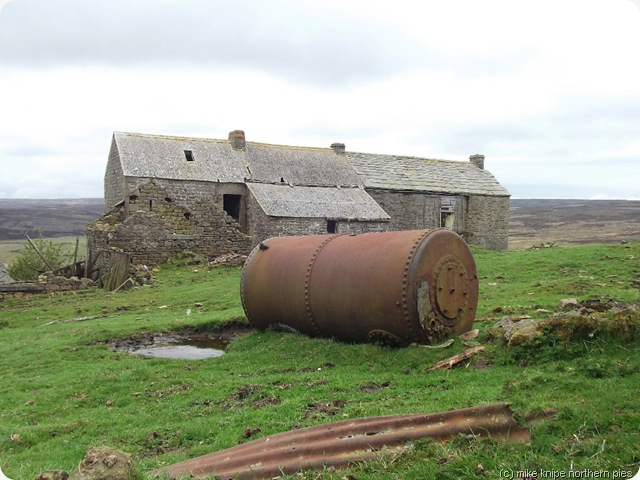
point(317, 202)
point(158, 156)
point(391, 172)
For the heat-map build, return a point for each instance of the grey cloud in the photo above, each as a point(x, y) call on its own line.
point(16, 148)
point(284, 38)
point(491, 64)
point(591, 118)
point(48, 177)
point(579, 123)
point(486, 137)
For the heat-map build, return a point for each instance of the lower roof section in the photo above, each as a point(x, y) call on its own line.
point(317, 202)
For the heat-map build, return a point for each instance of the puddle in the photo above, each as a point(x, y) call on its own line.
point(187, 345)
point(181, 349)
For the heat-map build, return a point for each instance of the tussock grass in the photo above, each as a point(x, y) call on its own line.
point(63, 390)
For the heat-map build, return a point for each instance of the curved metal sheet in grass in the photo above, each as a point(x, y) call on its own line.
point(342, 443)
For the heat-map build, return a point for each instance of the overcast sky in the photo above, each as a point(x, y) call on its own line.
point(547, 90)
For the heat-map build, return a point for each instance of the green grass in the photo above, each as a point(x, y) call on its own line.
point(62, 389)
point(523, 282)
point(9, 249)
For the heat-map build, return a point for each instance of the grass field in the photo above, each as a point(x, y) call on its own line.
point(63, 390)
point(9, 249)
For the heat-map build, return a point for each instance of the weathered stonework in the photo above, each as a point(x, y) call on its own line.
point(481, 220)
point(167, 194)
point(114, 181)
point(408, 211)
point(47, 283)
point(151, 226)
point(487, 223)
point(264, 226)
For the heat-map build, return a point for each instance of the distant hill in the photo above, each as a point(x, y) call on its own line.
point(533, 221)
point(55, 217)
point(572, 222)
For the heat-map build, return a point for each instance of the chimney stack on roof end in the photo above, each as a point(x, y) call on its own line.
point(477, 160)
point(236, 137)
point(338, 147)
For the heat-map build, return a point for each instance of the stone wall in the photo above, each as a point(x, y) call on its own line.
point(47, 283)
point(190, 192)
point(263, 226)
point(114, 181)
point(152, 226)
point(161, 217)
point(408, 211)
point(488, 222)
point(187, 193)
point(417, 211)
point(481, 220)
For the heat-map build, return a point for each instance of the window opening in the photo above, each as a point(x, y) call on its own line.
point(447, 212)
point(231, 205)
point(188, 154)
point(446, 220)
point(332, 226)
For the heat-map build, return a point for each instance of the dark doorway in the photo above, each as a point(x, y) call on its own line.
point(332, 226)
point(231, 205)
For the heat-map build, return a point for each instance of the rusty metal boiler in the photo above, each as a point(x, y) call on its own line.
point(395, 287)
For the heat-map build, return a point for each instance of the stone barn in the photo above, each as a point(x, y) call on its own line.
point(166, 194)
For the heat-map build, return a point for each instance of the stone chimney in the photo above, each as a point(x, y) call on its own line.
point(236, 138)
point(477, 160)
point(338, 147)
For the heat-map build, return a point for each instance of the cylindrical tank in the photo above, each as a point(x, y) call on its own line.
point(391, 287)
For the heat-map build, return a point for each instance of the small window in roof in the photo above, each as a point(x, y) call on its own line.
point(188, 155)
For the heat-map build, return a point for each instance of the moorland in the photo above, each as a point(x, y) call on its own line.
point(65, 388)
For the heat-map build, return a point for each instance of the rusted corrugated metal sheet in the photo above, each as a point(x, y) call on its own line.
point(395, 287)
point(342, 443)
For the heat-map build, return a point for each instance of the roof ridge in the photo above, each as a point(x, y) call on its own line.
point(279, 145)
point(217, 140)
point(168, 137)
point(409, 157)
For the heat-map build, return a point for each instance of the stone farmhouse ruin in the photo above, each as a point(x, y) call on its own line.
point(166, 194)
